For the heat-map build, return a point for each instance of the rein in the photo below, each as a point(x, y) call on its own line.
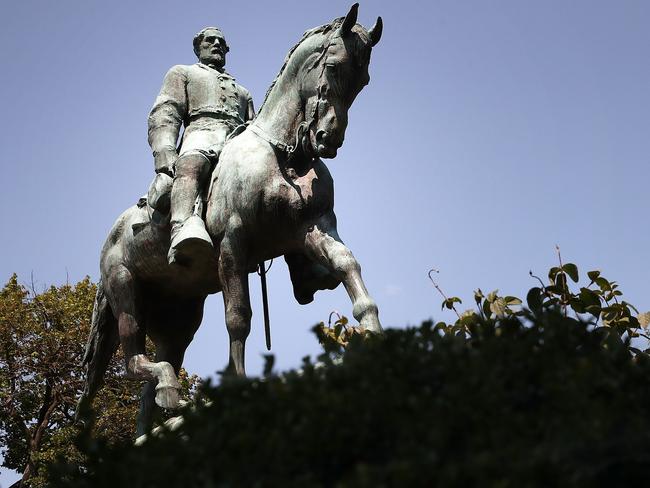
point(288, 149)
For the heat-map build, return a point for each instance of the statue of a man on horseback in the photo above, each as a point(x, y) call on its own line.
point(270, 195)
point(210, 104)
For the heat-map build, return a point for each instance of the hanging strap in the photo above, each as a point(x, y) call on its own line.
point(265, 302)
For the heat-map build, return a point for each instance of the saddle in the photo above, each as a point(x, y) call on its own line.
point(158, 197)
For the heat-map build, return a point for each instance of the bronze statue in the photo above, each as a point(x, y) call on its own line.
point(270, 195)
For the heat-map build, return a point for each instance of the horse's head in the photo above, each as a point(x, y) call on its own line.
point(330, 80)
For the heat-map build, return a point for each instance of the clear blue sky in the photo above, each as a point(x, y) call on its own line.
point(490, 131)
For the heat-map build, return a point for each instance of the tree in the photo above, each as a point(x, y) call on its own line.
point(552, 394)
point(42, 341)
point(545, 400)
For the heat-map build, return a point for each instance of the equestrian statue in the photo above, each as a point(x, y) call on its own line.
point(237, 190)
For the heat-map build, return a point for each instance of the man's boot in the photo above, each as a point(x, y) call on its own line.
point(189, 239)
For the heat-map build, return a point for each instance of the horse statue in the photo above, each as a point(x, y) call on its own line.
point(271, 195)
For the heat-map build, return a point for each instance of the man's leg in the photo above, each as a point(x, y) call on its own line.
point(188, 234)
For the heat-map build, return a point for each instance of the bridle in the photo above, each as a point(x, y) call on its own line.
point(311, 118)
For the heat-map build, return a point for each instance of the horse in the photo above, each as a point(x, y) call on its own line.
point(270, 195)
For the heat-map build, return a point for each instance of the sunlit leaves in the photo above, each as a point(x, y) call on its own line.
point(449, 302)
point(600, 302)
point(644, 319)
point(337, 336)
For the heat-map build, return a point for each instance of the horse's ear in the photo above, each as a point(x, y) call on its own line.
point(350, 20)
point(375, 32)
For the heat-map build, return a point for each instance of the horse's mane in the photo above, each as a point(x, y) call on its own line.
point(323, 29)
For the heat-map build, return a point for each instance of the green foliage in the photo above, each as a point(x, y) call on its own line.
point(599, 303)
point(42, 337)
point(504, 397)
point(42, 341)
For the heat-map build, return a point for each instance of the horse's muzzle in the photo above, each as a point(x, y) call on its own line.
point(325, 147)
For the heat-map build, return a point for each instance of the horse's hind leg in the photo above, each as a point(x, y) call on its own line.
point(128, 310)
point(172, 331)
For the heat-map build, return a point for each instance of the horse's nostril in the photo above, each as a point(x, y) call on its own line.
point(320, 135)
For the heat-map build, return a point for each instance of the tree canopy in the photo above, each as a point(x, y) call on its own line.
point(42, 341)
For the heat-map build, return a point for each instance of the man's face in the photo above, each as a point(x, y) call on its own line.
point(213, 49)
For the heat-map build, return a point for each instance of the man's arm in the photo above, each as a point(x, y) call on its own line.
point(166, 118)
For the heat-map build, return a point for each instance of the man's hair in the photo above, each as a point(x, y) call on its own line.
point(198, 38)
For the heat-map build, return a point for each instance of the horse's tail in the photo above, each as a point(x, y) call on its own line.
point(103, 341)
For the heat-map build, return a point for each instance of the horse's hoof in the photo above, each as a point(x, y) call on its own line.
point(371, 324)
point(167, 397)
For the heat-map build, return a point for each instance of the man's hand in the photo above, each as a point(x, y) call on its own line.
point(164, 161)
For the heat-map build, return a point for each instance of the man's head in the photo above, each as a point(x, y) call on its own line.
point(210, 47)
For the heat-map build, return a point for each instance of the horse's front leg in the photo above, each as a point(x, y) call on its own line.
point(233, 274)
point(323, 245)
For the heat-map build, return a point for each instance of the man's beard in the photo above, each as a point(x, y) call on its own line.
point(216, 60)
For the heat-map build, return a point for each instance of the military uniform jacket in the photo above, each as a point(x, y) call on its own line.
point(200, 98)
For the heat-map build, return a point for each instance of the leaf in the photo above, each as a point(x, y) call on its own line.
point(594, 310)
point(577, 305)
point(552, 273)
point(512, 300)
point(553, 290)
point(572, 270)
point(534, 299)
point(560, 281)
point(603, 284)
point(486, 308)
point(449, 302)
point(468, 313)
point(337, 329)
point(551, 302)
point(629, 305)
point(593, 275)
point(589, 297)
point(468, 318)
point(498, 307)
point(441, 326)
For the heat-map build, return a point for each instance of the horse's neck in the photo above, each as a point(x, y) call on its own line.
point(283, 111)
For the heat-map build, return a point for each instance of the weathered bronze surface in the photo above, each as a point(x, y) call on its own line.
point(270, 195)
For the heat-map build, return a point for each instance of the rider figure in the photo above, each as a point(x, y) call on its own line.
point(209, 104)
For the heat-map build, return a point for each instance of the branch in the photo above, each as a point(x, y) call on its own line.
point(440, 290)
